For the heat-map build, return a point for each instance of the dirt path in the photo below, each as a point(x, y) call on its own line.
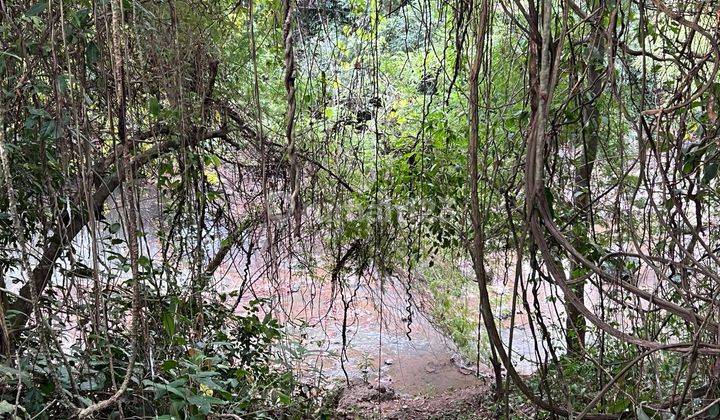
point(367, 402)
point(417, 375)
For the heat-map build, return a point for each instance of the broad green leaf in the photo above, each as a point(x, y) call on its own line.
point(710, 172)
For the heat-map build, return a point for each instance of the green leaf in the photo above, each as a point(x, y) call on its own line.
point(204, 374)
point(13, 373)
point(154, 107)
point(36, 8)
point(284, 398)
point(114, 228)
point(714, 411)
point(93, 384)
point(619, 406)
point(144, 261)
point(550, 200)
point(710, 172)
point(688, 166)
point(205, 402)
point(92, 53)
point(168, 365)
point(168, 321)
point(6, 407)
point(162, 389)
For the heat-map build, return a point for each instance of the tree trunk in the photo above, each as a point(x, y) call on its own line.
point(588, 144)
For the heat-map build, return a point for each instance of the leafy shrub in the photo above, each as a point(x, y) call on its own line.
point(233, 368)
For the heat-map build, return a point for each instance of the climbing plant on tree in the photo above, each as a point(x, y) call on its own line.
point(148, 148)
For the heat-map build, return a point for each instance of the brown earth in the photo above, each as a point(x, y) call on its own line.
point(367, 401)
